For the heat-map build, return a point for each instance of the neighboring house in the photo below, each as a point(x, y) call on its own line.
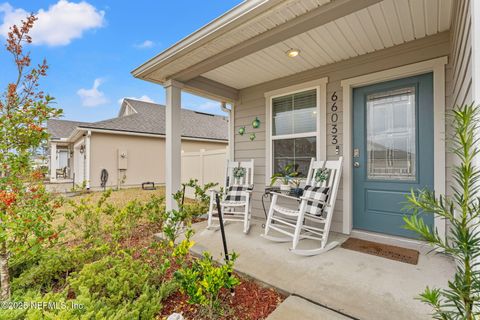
point(131, 147)
point(370, 80)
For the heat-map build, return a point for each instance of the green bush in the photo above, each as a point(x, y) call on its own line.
point(461, 300)
point(154, 210)
point(86, 218)
point(126, 219)
point(53, 267)
point(119, 287)
point(204, 279)
point(201, 199)
point(113, 287)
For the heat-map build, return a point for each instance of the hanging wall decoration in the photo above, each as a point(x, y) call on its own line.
point(252, 136)
point(241, 131)
point(256, 123)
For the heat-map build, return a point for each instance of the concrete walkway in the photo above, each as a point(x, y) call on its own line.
point(297, 308)
point(359, 285)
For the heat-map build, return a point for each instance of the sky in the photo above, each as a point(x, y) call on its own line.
point(92, 46)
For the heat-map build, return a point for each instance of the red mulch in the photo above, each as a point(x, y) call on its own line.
point(250, 302)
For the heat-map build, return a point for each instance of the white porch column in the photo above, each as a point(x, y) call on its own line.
point(231, 131)
point(173, 147)
point(53, 161)
point(87, 159)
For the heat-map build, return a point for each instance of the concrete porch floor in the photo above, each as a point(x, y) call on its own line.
point(357, 284)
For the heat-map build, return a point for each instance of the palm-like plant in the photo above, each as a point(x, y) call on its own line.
point(462, 210)
point(285, 175)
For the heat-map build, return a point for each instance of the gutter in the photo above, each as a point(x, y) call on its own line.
point(79, 131)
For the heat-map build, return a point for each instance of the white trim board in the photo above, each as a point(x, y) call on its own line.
point(437, 66)
point(140, 134)
point(321, 134)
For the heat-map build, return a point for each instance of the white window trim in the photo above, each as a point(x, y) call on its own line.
point(437, 66)
point(321, 133)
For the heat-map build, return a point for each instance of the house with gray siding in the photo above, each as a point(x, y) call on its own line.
point(369, 80)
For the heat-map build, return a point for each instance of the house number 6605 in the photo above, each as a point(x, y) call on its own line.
point(334, 118)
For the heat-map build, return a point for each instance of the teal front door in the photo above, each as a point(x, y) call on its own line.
point(393, 151)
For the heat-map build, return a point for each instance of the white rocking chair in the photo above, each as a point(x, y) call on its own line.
point(316, 207)
point(236, 199)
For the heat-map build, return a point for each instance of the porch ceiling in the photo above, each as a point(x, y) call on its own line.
point(247, 20)
point(379, 26)
point(247, 45)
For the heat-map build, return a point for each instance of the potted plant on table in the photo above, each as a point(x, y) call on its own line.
point(296, 190)
point(285, 175)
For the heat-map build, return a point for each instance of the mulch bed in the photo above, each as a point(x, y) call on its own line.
point(251, 301)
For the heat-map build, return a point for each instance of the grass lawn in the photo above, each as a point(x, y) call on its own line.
point(119, 197)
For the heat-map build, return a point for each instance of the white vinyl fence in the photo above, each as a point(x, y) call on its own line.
point(206, 166)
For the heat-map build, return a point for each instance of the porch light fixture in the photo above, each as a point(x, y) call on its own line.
point(292, 53)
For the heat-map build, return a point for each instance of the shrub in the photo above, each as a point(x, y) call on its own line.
point(86, 218)
point(126, 219)
point(201, 200)
point(119, 287)
point(461, 299)
point(26, 209)
point(155, 209)
point(204, 279)
point(113, 287)
point(52, 268)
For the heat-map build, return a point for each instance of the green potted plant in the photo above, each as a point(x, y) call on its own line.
point(284, 176)
point(296, 190)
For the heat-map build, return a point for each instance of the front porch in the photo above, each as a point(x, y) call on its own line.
point(356, 284)
point(295, 66)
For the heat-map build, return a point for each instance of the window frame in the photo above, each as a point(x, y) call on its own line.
point(320, 86)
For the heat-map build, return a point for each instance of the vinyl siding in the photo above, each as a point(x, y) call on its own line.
point(146, 157)
point(459, 73)
point(252, 103)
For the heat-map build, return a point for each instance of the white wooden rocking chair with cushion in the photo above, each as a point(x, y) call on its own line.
point(236, 199)
point(316, 208)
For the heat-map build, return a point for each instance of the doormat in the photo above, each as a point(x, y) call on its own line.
point(382, 250)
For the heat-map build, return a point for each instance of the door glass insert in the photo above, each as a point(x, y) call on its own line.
point(391, 135)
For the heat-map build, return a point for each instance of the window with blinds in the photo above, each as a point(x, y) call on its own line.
point(295, 113)
point(294, 130)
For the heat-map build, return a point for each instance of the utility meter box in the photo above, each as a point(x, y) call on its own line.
point(122, 159)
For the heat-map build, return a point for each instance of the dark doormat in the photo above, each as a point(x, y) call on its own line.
point(382, 250)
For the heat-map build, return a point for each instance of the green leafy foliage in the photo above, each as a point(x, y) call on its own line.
point(201, 200)
point(154, 210)
point(119, 287)
point(126, 219)
point(204, 279)
point(115, 286)
point(285, 175)
point(462, 210)
point(86, 217)
point(52, 268)
point(26, 210)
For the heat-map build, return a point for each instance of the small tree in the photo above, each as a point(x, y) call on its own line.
point(26, 209)
point(462, 210)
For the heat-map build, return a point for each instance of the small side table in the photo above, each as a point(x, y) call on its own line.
point(268, 195)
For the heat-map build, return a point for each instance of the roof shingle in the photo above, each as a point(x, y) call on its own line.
point(150, 118)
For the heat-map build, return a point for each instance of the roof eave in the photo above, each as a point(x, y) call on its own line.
point(230, 19)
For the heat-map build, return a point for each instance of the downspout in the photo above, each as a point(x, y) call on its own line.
point(87, 159)
point(231, 128)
